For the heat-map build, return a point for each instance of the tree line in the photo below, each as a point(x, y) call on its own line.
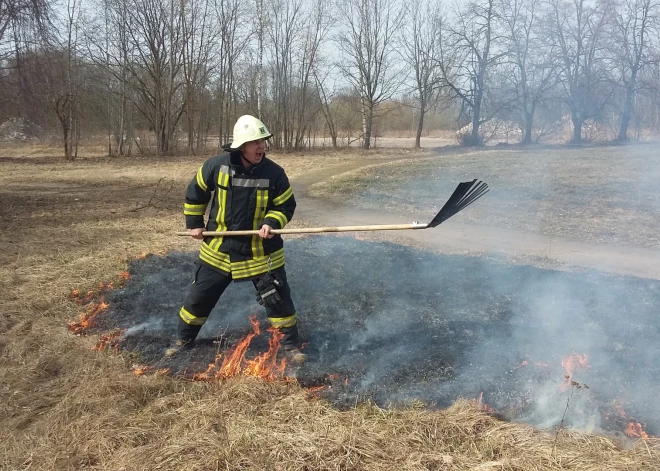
point(173, 75)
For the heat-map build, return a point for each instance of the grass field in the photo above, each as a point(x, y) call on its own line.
point(601, 194)
point(71, 226)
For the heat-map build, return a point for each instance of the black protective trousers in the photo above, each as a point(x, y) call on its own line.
point(208, 285)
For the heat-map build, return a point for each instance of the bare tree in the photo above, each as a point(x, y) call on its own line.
point(575, 30)
point(634, 22)
point(199, 36)
point(260, 55)
point(421, 41)
point(533, 74)
point(285, 27)
point(155, 64)
point(235, 34)
point(467, 57)
point(24, 26)
point(326, 109)
point(367, 46)
point(307, 103)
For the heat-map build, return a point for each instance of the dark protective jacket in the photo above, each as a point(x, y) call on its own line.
point(240, 200)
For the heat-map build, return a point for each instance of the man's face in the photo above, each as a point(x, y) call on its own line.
point(253, 151)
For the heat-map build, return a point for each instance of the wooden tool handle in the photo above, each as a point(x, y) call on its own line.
point(315, 230)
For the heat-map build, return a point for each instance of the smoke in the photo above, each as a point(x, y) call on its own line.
point(142, 328)
point(540, 317)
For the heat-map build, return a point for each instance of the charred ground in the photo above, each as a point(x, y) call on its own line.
point(392, 324)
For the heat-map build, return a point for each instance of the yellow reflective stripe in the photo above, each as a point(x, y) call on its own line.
point(238, 274)
point(279, 216)
point(242, 269)
point(219, 256)
point(223, 179)
point(217, 259)
point(257, 242)
point(190, 319)
point(214, 263)
point(256, 269)
point(244, 264)
point(220, 217)
point(194, 209)
point(283, 197)
point(200, 179)
point(283, 322)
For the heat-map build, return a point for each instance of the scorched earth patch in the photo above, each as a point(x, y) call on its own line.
point(393, 324)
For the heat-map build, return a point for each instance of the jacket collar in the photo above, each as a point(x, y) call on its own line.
point(237, 164)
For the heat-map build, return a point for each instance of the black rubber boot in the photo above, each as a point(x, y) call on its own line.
point(179, 346)
point(186, 338)
point(290, 347)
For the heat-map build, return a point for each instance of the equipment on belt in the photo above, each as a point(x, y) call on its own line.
point(464, 195)
point(267, 290)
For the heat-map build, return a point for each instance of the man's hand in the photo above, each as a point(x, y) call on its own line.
point(197, 233)
point(265, 233)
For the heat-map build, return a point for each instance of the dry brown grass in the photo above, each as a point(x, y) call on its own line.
point(604, 194)
point(63, 406)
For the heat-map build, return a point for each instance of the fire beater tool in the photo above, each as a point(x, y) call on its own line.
point(464, 195)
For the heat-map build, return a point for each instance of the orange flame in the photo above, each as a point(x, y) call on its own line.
point(140, 370)
point(634, 429)
point(572, 363)
point(234, 362)
point(86, 319)
point(123, 278)
point(109, 341)
point(479, 402)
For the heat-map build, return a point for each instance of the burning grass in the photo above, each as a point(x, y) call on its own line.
point(64, 405)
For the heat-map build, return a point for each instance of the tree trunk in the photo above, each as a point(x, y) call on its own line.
point(529, 120)
point(366, 126)
point(475, 139)
point(626, 115)
point(370, 123)
point(577, 130)
point(67, 149)
point(420, 127)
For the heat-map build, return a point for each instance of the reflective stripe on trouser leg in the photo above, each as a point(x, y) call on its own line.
point(290, 336)
point(289, 328)
point(282, 322)
point(207, 287)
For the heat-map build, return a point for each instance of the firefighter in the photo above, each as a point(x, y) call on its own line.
point(246, 190)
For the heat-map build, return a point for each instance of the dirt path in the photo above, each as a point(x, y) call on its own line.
point(454, 236)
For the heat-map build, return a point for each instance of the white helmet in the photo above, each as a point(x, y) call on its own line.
point(248, 128)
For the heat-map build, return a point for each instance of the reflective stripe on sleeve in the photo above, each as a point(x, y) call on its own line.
point(283, 197)
point(279, 217)
point(194, 209)
point(200, 179)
